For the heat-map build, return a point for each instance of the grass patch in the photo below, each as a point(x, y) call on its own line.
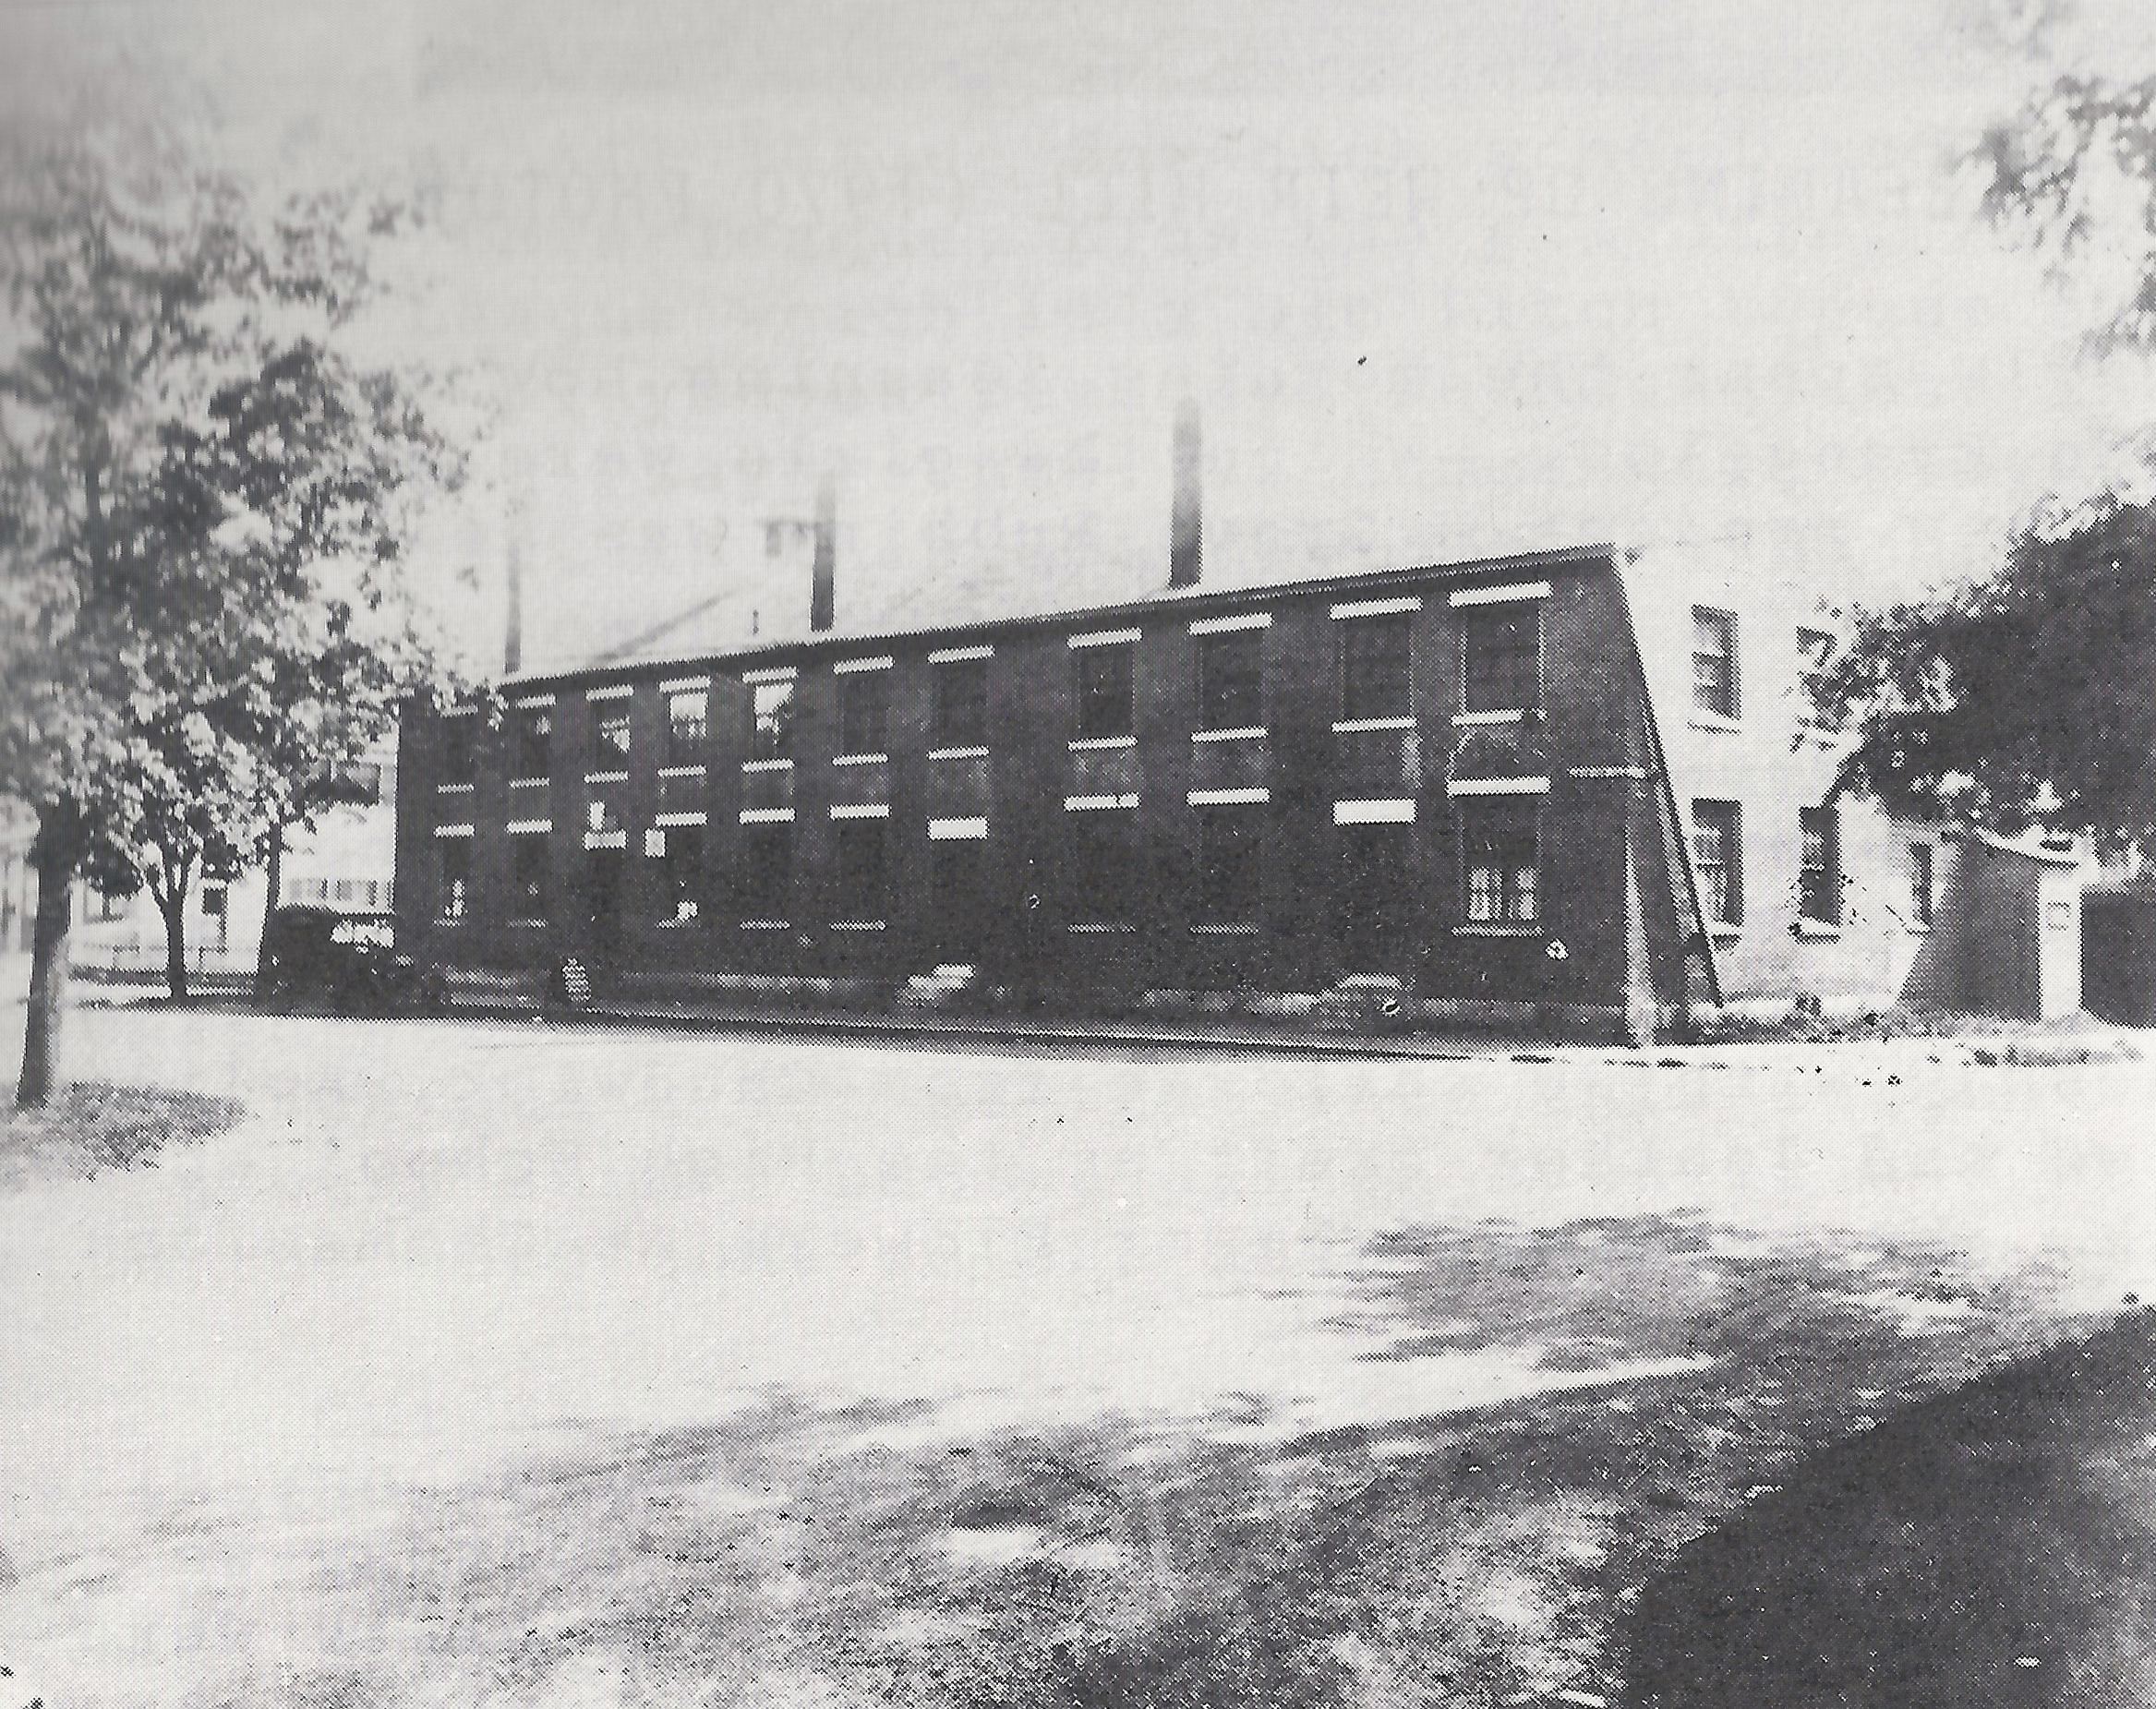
point(91, 1126)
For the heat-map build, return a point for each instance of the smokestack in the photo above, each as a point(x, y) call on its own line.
point(1187, 528)
point(512, 634)
point(822, 582)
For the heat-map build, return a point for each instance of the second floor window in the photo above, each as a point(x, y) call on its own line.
point(1374, 676)
point(688, 714)
point(609, 736)
point(532, 741)
point(1718, 856)
point(1500, 654)
point(1714, 662)
point(1104, 683)
point(1819, 864)
point(1231, 680)
point(460, 749)
point(864, 705)
point(961, 703)
point(771, 731)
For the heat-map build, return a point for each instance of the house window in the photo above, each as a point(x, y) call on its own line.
point(771, 730)
point(1501, 652)
point(681, 873)
point(1920, 883)
point(764, 880)
point(1819, 864)
point(1374, 676)
point(454, 890)
point(1231, 680)
point(1229, 840)
point(1714, 662)
point(1104, 681)
point(213, 901)
point(688, 726)
point(1106, 871)
point(527, 879)
point(863, 886)
point(532, 743)
point(609, 736)
point(961, 703)
point(864, 702)
point(1717, 856)
point(460, 750)
point(1501, 860)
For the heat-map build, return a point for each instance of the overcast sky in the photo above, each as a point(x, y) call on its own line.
point(1447, 278)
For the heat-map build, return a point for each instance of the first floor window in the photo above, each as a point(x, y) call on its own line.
point(1718, 856)
point(681, 873)
point(1920, 883)
point(455, 890)
point(763, 879)
point(1819, 864)
point(1106, 877)
point(213, 897)
point(1229, 840)
point(527, 878)
point(858, 872)
point(1502, 865)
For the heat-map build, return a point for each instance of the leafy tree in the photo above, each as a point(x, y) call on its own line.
point(204, 501)
point(2027, 695)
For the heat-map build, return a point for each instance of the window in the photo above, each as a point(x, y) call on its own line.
point(961, 703)
point(1502, 862)
point(459, 750)
point(1500, 651)
point(771, 732)
point(213, 901)
point(1714, 662)
point(1229, 840)
point(864, 702)
point(609, 736)
point(1104, 679)
point(104, 906)
point(1717, 856)
point(532, 741)
point(688, 726)
point(1920, 883)
point(453, 892)
point(763, 883)
point(863, 890)
point(1374, 677)
point(1231, 680)
point(1819, 865)
point(681, 873)
point(527, 879)
point(1105, 874)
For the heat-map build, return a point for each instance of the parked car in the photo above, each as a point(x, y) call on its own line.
point(347, 961)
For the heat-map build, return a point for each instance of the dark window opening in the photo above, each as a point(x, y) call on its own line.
point(681, 874)
point(1106, 874)
point(1920, 883)
point(460, 750)
point(1819, 865)
point(1718, 856)
point(453, 886)
point(764, 882)
point(688, 726)
point(860, 873)
point(1231, 680)
point(1230, 841)
point(771, 728)
point(1714, 662)
point(527, 879)
point(961, 703)
point(609, 736)
point(1104, 680)
point(959, 885)
point(1500, 651)
point(1375, 680)
point(864, 701)
point(1500, 864)
point(532, 743)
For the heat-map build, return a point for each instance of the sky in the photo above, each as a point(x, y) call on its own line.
point(1445, 279)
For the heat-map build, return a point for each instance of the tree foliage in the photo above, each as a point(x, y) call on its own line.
point(2027, 695)
point(205, 501)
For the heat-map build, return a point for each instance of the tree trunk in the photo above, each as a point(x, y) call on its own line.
point(54, 860)
point(173, 905)
point(275, 875)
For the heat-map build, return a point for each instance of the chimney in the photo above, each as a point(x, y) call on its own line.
point(1186, 529)
point(512, 636)
point(823, 582)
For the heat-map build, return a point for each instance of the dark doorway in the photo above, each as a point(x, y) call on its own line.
point(1372, 899)
point(603, 884)
point(958, 901)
